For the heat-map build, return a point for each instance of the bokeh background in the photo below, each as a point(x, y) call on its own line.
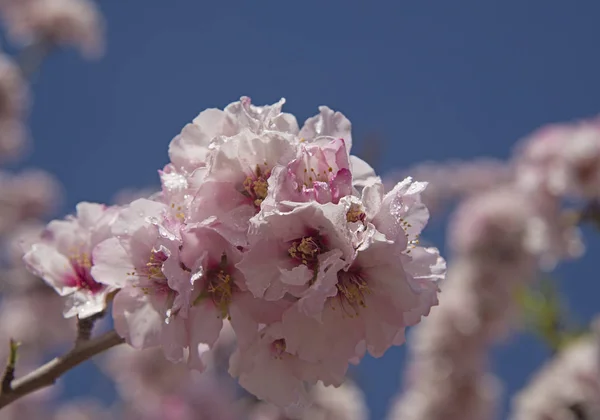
point(420, 80)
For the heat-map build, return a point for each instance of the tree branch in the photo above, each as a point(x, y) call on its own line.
point(47, 374)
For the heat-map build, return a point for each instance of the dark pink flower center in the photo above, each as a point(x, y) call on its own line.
point(82, 277)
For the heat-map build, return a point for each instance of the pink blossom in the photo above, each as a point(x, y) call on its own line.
point(14, 98)
point(127, 195)
point(327, 403)
point(567, 387)
point(532, 228)
point(83, 410)
point(71, 22)
point(299, 252)
point(236, 181)
point(452, 180)
point(35, 320)
point(153, 388)
point(320, 173)
point(64, 258)
point(26, 196)
point(142, 258)
point(562, 159)
point(189, 150)
point(447, 376)
point(220, 291)
point(270, 372)
point(259, 119)
point(192, 148)
point(326, 126)
point(376, 299)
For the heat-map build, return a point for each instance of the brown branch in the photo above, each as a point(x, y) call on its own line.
point(47, 374)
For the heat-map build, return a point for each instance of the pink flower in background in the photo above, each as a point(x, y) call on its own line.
point(328, 403)
point(83, 410)
point(450, 181)
point(567, 387)
point(76, 23)
point(14, 101)
point(563, 159)
point(27, 196)
point(64, 258)
point(274, 375)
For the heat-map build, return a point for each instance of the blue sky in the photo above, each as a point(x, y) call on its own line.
point(433, 79)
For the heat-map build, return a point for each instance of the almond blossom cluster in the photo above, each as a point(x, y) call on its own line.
point(278, 230)
point(500, 237)
point(567, 387)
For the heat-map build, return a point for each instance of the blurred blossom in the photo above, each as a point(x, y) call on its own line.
point(447, 377)
point(25, 196)
point(20, 240)
point(513, 227)
point(449, 181)
point(127, 195)
point(566, 388)
point(562, 159)
point(142, 376)
point(21, 315)
point(154, 388)
point(13, 108)
point(31, 407)
point(82, 410)
point(77, 23)
point(328, 403)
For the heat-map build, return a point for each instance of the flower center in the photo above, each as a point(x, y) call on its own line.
point(153, 268)
point(355, 213)
point(311, 176)
point(219, 287)
point(352, 290)
point(256, 186)
point(83, 279)
point(306, 250)
point(278, 348)
point(156, 283)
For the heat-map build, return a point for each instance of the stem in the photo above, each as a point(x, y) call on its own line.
point(47, 374)
point(9, 372)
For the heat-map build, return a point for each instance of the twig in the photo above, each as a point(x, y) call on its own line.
point(9, 372)
point(47, 374)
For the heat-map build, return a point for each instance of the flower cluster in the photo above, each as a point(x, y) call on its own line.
point(275, 228)
point(567, 387)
